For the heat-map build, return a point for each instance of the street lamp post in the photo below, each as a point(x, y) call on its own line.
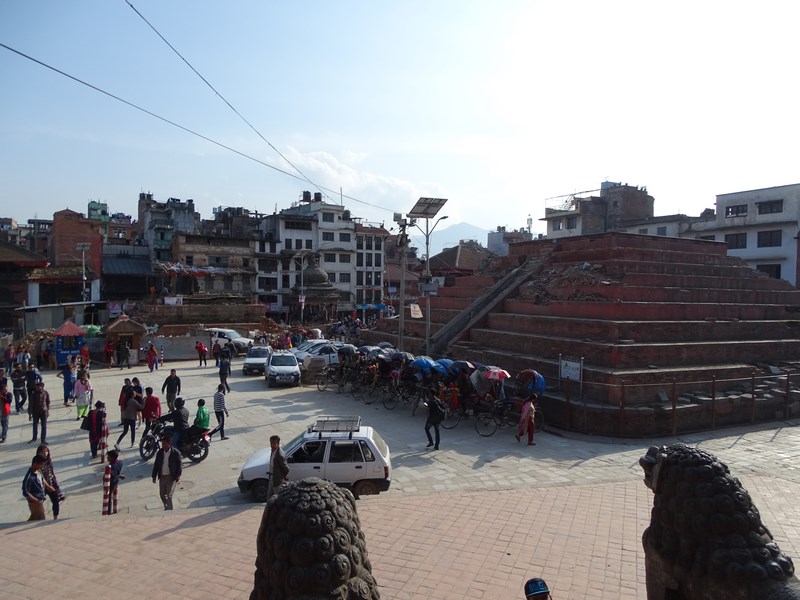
point(83, 247)
point(427, 208)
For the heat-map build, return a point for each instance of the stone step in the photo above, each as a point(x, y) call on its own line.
point(643, 331)
point(614, 292)
point(670, 311)
point(616, 355)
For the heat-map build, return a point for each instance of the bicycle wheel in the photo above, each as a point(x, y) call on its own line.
point(391, 399)
point(485, 424)
point(370, 394)
point(451, 418)
point(510, 418)
point(322, 382)
point(357, 389)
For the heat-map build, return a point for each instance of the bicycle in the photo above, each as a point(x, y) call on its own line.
point(328, 375)
point(501, 414)
point(452, 411)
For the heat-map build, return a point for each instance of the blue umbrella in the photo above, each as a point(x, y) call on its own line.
point(445, 362)
point(439, 368)
point(532, 380)
point(422, 362)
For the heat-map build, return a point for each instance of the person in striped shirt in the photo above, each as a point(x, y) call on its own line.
point(220, 411)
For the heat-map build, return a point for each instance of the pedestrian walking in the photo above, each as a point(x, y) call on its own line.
point(108, 354)
point(526, 422)
point(49, 476)
point(38, 411)
point(83, 395)
point(224, 371)
point(130, 410)
point(5, 411)
point(216, 352)
point(18, 381)
point(152, 409)
point(167, 470)
point(111, 478)
point(34, 489)
point(202, 353)
point(278, 469)
point(10, 357)
point(123, 355)
point(152, 358)
point(32, 377)
point(220, 412)
point(98, 430)
point(85, 357)
point(435, 416)
point(172, 385)
point(68, 373)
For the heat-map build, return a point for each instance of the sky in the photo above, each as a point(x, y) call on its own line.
point(500, 107)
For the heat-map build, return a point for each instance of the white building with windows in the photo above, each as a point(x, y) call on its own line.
point(759, 226)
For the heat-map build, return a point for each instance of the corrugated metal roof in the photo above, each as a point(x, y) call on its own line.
point(127, 265)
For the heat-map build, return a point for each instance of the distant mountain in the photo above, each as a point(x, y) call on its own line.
point(448, 237)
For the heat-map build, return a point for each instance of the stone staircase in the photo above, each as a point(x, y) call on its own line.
point(645, 314)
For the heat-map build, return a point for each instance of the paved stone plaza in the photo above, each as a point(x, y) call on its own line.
point(473, 520)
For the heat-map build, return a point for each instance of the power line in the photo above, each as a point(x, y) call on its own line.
point(181, 127)
point(221, 97)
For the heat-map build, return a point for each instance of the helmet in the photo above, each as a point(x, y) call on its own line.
point(536, 588)
point(179, 402)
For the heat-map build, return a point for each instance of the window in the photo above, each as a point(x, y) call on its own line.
point(246, 263)
point(771, 270)
point(572, 222)
point(359, 277)
point(360, 259)
point(329, 257)
point(189, 260)
point(770, 207)
point(769, 239)
point(369, 259)
point(228, 283)
point(359, 242)
point(368, 278)
point(369, 243)
point(377, 243)
point(344, 258)
point(327, 236)
point(737, 210)
point(558, 225)
point(287, 243)
point(736, 241)
point(332, 277)
point(308, 245)
point(309, 452)
point(285, 281)
point(377, 279)
point(377, 260)
point(643, 231)
point(302, 225)
point(661, 231)
point(367, 452)
point(344, 278)
point(327, 217)
point(344, 237)
point(359, 296)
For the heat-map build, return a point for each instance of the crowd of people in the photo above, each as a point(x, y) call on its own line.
point(138, 406)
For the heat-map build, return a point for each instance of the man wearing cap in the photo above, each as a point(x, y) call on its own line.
point(536, 589)
point(167, 469)
point(39, 410)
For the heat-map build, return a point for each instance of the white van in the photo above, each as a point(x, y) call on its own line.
point(339, 449)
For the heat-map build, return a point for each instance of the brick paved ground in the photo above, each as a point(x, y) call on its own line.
point(471, 521)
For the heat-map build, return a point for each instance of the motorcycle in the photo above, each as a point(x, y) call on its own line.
point(195, 443)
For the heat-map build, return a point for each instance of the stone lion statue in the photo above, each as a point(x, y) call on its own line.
point(310, 546)
point(706, 540)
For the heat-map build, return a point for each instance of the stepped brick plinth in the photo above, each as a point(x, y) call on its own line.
point(645, 315)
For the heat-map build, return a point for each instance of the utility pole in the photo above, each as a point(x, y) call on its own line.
point(83, 247)
point(402, 244)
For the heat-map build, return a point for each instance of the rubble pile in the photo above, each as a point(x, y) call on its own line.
point(545, 286)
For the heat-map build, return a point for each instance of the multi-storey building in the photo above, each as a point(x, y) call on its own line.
point(498, 241)
point(212, 265)
point(572, 215)
point(759, 226)
point(370, 263)
point(75, 244)
point(159, 221)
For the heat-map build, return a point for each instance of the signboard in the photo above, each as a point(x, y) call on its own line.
point(570, 369)
point(301, 299)
point(114, 309)
point(416, 311)
point(173, 300)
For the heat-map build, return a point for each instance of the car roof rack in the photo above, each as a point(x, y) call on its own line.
point(333, 424)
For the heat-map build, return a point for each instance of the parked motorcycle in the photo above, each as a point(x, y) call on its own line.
point(195, 443)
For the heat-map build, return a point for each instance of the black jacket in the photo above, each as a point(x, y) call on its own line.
point(175, 468)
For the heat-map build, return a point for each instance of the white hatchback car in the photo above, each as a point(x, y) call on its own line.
point(282, 367)
point(339, 449)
